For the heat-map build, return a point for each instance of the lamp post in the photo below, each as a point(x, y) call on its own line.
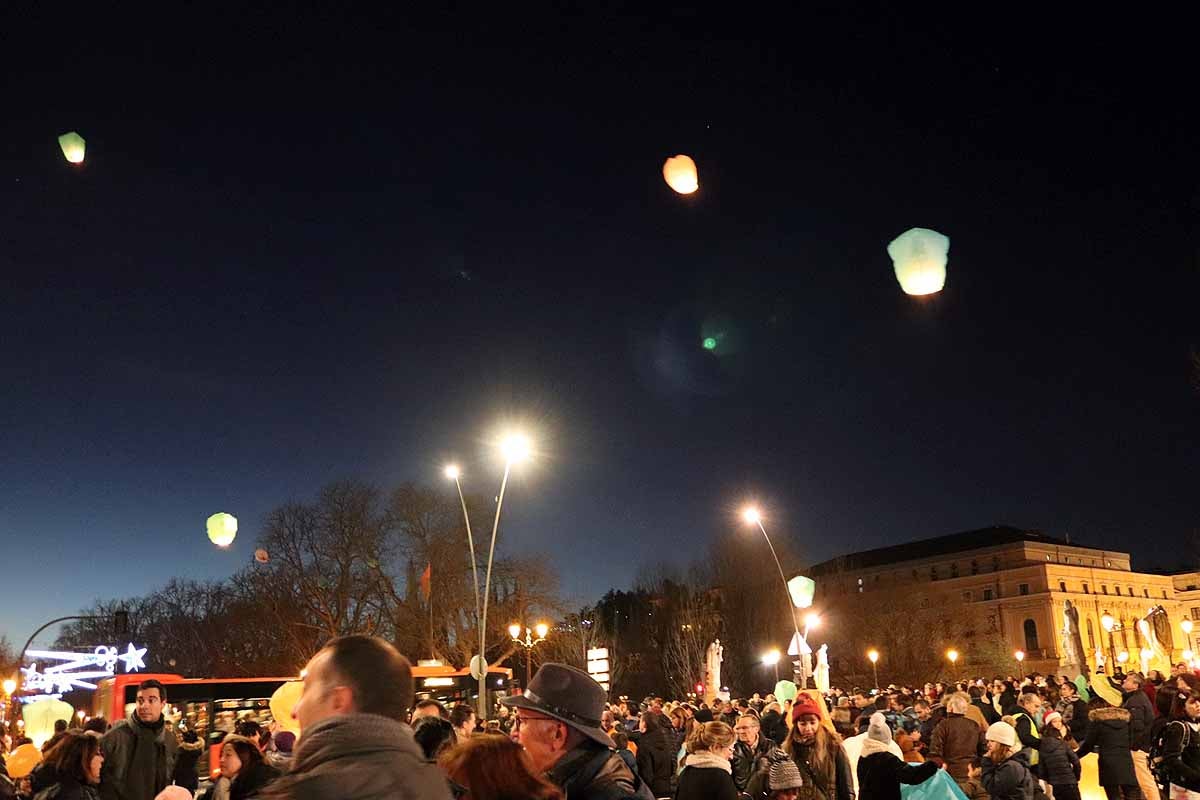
point(1112, 626)
point(1186, 625)
point(771, 659)
point(873, 656)
point(1020, 657)
point(952, 654)
point(528, 643)
point(516, 449)
point(754, 517)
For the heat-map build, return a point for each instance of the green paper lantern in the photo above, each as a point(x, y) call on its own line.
point(74, 147)
point(222, 529)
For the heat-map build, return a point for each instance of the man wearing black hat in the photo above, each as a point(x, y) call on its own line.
point(558, 724)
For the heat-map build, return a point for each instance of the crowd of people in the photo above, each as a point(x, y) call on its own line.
point(362, 737)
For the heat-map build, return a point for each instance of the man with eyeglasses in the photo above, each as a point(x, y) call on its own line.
point(558, 724)
point(749, 751)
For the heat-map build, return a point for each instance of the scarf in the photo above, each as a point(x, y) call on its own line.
point(870, 746)
point(708, 760)
point(147, 772)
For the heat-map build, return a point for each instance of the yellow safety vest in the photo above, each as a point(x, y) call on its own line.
point(1033, 755)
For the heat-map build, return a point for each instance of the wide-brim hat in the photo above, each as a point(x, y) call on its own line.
point(570, 696)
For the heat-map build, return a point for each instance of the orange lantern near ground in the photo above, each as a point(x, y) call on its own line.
point(680, 174)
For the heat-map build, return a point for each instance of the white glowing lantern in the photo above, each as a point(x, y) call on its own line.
point(222, 529)
point(40, 716)
point(680, 174)
point(919, 257)
point(73, 147)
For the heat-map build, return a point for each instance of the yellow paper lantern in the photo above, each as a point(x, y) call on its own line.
point(40, 716)
point(73, 147)
point(222, 528)
point(680, 174)
point(919, 256)
point(283, 701)
point(22, 760)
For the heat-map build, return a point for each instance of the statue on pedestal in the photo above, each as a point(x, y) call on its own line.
point(712, 670)
point(1074, 660)
point(822, 674)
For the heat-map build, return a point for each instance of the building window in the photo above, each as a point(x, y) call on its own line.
point(1085, 589)
point(987, 595)
point(1196, 612)
point(1117, 589)
point(974, 567)
point(1031, 637)
point(1091, 637)
point(967, 596)
point(1131, 591)
point(1047, 556)
point(1108, 563)
point(1164, 594)
point(1146, 592)
point(1062, 586)
point(995, 563)
point(1023, 588)
point(933, 573)
point(1104, 588)
point(954, 570)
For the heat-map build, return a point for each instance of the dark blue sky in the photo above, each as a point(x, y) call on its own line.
point(307, 247)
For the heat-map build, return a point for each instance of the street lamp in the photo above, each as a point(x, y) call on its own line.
point(952, 654)
point(873, 655)
point(514, 631)
point(1186, 625)
point(771, 659)
point(1122, 657)
point(516, 448)
point(1020, 657)
point(753, 516)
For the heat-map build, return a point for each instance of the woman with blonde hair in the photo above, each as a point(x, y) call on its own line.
point(707, 773)
point(818, 752)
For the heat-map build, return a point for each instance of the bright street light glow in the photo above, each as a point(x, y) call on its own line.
point(516, 448)
point(541, 630)
point(952, 655)
point(1123, 656)
point(1186, 625)
point(452, 472)
point(751, 515)
point(10, 686)
point(812, 619)
point(514, 631)
point(1107, 622)
point(873, 655)
point(1019, 655)
point(771, 658)
point(1187, 655)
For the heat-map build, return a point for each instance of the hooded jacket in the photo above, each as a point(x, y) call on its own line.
point(359, 757)
point(773, 727)
point(1108, 734)
point(1011, 779)
point(1059, 764)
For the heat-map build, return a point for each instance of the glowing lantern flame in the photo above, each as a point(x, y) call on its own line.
point(261, 556)
point(222, 529)
point(801, 590)
point(680, 174)
point(40, 716)
point(73, 147)
point(919, 256)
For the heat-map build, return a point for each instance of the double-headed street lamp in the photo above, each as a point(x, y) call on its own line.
point(529, 642)
point(516, 449)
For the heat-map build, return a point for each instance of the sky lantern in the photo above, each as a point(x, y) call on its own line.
point(73, 146)
point(40, 716)
point(680, 174)
point(222, 528)
point(283, 701)
point(22, 760)
point(261, 556)
point(919, 256)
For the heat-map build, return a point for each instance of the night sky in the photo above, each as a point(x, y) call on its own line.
point(309, 246)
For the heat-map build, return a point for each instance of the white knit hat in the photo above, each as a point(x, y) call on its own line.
point(1003, 733)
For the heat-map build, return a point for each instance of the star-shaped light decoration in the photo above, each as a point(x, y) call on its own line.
point(133, 658)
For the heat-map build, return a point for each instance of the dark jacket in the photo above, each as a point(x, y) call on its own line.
point(1077, 719)
point(656, 761)
point(880, 775)
point(1011, 779)
point(1058, 765)
point(987, 709)
point(704, 783)
point(773, 727)
point(593, 772)
point(360, 757)
point(1108, 735)
point(250, 782)
point(43, 776)
point(69, 789)
point(835, 783)
point(119, 746)
point(1141, 719)
point(185, 774)
point(1181, 755)
point(748, 760)
point(957, 741)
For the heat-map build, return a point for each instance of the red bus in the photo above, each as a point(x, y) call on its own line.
point(213, 706)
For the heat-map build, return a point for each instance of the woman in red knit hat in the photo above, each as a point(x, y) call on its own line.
point(818, 753)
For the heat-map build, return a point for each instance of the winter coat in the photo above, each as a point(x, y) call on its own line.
point(1181, 754)
point(1075, 715)
point(656, 761)
point(836, 782)
point(880, 776)
point(185, 774)
point(1108, 734)
point(43, 776)
point(68, 789)
point(360, 757)
point(987, 710)
point(1141, 719)
point(957, 741)
point(593, 772)
point(1011, 779)
point(250, 782)
point(973, 789)
point(747, 760)
point(119, 746)
point(705, 783)
point(773, 727)
point(1058, 765)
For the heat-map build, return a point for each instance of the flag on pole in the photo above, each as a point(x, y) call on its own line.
point(425, 578)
